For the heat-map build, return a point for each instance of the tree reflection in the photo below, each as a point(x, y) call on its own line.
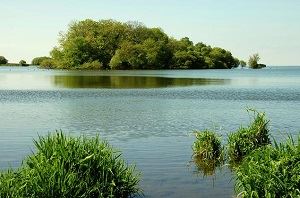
point(130, 82)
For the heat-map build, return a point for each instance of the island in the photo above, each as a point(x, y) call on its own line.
point(109, 44)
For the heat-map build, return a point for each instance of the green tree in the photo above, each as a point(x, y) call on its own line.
point(253, 61)
point(129, 56)
point(3, 60)
point(39, 60)
point(131, 45)
point(23, 63)
point(243, 63)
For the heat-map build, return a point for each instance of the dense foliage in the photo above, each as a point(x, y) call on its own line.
point(271, 172)
point(108, 44)
point(3, 60)
point(70, 167)
point(39, 60)
point(247, 139)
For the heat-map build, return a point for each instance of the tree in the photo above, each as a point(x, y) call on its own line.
point(39, 60)
point(129, 56)
point(253, 61)
point(243, 63)
point(23, 63)
point(109, 44)
point(3, 60)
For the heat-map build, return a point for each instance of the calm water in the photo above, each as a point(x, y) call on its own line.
point(149, 115)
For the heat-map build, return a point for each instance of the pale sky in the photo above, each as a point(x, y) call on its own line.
point(29, 28)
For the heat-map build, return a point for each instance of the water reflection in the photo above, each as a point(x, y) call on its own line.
point(207, 167)
point(130, 82)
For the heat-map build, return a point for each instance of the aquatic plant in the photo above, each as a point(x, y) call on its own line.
point(271, 171)
point(207, 151)
point(65, 166)
point(207, 145)
point(247, 139)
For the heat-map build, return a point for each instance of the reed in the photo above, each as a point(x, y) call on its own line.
point(65, 166)
point(271, 171)
point(207, 152)
point(247, 139)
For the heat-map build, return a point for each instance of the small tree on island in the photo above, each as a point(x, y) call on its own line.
point(23, 63)
point(253, 62)
point(3, 60)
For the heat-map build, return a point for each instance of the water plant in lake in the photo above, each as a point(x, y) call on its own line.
point(65, 166)
point(247, 139)
point(271, 171)
point(207, 151)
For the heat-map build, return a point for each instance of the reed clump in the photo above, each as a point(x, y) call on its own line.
point(207, 151)
point(246, 139)
point(65, 166)
point(271, 171)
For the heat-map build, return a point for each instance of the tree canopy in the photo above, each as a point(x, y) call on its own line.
point(109, 44)
point(39, 60)
point(3, 60)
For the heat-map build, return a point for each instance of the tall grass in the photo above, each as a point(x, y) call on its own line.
point(271, 171)
point(207, 151)
point(66, 166)
point(247, 139)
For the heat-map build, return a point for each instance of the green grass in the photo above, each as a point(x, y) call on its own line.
point(247, 139)
point(65, 166)
point(271, 171)
point(207, 151)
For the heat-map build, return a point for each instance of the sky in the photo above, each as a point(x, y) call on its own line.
point(30, 28)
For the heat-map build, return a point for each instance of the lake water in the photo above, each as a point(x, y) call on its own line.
point(148, 115)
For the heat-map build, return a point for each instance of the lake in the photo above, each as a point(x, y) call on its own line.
point(149, 115)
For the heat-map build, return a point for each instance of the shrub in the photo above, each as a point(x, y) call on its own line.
point(96, 65)
point(271, 172)
point(39, 60)
point(71, 167)
point(23, 63)
point(208, 152)
point(246, 139)
point(47, 63)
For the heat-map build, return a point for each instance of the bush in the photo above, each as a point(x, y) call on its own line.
point(95, 65)
point(245, 140)
point(47, 63)
point(23, 63)
point(271, 172)
point(208, 152)
point(71, 167)
point(39, 60)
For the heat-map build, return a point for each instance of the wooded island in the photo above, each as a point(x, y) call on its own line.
point(109, 44)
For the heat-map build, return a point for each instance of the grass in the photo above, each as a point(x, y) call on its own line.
point(271, 172)
point(247, 139)
point(207, 151)
point(66, 166)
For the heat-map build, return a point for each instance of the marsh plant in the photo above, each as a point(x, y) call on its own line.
point(65, 166)
point(247, 139)
point(207, 151)
point(271, 171)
